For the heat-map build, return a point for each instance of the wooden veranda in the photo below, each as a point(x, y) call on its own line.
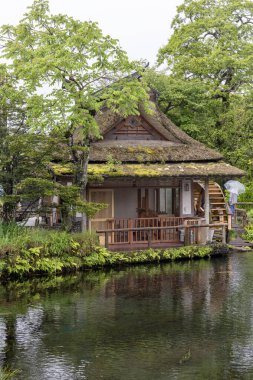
point(157, 232)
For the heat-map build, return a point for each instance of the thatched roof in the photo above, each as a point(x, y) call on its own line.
point(175, 155)
point(176, 145)
point(151, 151)
point(191, 169)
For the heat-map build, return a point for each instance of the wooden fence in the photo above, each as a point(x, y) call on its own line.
point(153, 236)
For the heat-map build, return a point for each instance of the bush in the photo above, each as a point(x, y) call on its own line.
point(250, 216)
point(25, 252)
point(249, 233)
point(7, 374)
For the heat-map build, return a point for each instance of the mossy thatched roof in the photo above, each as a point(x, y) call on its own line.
point(192, 169)
point(175, 155)
point(151, 151)
point(177, 146)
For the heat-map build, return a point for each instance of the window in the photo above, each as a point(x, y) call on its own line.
point(167, 201)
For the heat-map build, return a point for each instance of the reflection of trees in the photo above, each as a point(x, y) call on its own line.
point(136, 308)
point(10, 340)
point(21, 325)
point(140, 321)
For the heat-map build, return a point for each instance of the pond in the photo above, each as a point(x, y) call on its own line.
point(190, 320)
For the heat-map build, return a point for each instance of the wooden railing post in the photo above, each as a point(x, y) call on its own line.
point(149, 238)
point(186, 233)
point(106, 240)
point(224, 240)
point(130, 232)
point(113, 235)
point(191, 232)
point(229, 222)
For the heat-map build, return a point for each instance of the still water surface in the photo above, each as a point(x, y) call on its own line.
point(191, 320)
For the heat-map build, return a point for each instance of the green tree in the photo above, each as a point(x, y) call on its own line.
point(213, 42)
point(27, 160)
point(71, 61)
point(23, 153)
point(208, 88)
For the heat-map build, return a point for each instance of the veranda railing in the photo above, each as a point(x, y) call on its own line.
point(187, 234)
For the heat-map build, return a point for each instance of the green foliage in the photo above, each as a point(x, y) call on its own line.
point(208, 91)
point(226, 195)
point(82, 71)
point(250, 216)
point(75, 60)
point(22, 152)
point(26, 252)
point(112, 164)
point(249, 233)
point(8, 374)
point(186, 102)
point(187, 252)
point(248, 195)
point(212, 41)
point(34, 188)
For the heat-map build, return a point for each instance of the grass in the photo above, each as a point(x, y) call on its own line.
point(29, 252)
point(7, 374)
point(250, 216)
point(248, 235)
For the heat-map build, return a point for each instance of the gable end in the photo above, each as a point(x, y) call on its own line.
point(133, 128)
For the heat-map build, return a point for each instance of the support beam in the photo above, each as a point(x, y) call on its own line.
point(207, 205)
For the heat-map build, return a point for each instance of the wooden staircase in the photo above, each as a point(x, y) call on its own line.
point(218, 209)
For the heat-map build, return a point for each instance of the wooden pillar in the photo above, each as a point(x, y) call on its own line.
point(224, 240)
point(106, 240)
point(186, 234)
point(130, 232)
point(149, 238)
point(207, 205)
point(229, 222)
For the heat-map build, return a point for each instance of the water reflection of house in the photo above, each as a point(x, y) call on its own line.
point(189, 291)
point(152, 174)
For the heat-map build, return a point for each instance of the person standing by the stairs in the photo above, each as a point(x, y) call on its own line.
point(232, 201)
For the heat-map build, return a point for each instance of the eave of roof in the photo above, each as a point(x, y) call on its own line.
point(151, 151)
point(192, 169)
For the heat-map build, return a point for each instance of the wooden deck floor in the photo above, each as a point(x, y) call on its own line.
point(141, 246)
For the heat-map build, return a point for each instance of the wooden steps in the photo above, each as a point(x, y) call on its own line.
point(218, 209)
point(217, 206)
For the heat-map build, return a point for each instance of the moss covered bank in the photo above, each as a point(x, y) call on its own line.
point(40, 252)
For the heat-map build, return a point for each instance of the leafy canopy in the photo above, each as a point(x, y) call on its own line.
point(64, 63)
point(207, 88)
point(213, 41)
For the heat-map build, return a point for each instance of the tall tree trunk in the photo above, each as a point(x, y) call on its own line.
point(81, 161)
point(83, 186)
point(10, 322)
point(6, 175)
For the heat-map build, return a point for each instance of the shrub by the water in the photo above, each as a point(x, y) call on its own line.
point(26, 252)
point(7, 374)
point(250, 216)
point(248, 235)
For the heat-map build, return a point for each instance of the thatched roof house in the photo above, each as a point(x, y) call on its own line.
point(154, 140)
point(151, 174)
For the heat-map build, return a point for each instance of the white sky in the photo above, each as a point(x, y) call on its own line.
point(142, 26)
